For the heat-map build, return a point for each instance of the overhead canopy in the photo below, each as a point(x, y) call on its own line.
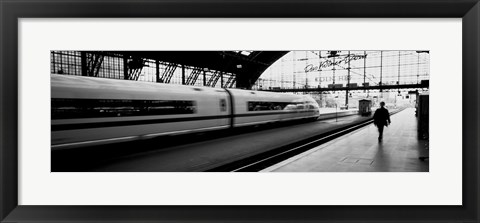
point(247, 65)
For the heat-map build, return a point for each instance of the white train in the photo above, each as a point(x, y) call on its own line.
point(89, 111)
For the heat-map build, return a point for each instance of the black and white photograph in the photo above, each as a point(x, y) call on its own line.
point(240, 111)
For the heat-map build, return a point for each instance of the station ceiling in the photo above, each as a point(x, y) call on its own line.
point(246, 65)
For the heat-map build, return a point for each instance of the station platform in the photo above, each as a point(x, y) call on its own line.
point(360, 151)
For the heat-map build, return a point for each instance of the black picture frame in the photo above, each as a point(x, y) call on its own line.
point(11, 11)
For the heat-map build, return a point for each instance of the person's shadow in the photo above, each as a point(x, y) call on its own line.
point(381, 159)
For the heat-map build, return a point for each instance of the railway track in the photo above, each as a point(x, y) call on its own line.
point(266, 159)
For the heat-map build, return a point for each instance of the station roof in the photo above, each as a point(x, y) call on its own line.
point(247, 65)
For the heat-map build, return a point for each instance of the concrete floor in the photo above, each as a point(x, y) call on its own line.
point(360, 151)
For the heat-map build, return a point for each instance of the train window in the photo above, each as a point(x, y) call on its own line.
point(269, 106)
point(223, 105)
point(97, 108)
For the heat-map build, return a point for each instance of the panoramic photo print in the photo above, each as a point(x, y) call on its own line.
point(240, 111)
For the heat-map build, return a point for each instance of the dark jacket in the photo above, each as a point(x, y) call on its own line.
point(381, 117)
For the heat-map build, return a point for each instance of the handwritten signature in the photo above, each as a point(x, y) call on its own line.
point(331, 63)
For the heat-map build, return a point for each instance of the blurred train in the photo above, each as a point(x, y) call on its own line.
point(90, 111)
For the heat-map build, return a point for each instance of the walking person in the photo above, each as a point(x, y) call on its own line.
point(381, 118)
